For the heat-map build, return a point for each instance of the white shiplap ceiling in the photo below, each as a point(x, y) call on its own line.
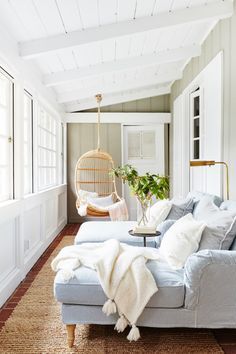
point(124, 49)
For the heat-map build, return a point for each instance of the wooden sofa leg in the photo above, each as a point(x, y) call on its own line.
point(70, 334)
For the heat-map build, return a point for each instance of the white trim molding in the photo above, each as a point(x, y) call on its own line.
point(120, 97)
point(125, 118)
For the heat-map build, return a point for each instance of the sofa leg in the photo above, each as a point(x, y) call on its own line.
point(70, 334)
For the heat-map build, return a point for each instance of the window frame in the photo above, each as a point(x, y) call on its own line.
point(41, 147)
point(10, 136)
point(140, 134)
point(196, 93)
point(31, 144)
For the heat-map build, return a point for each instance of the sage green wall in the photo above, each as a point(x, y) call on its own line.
point(83, 137)
point(222, 37)
point(152, 104)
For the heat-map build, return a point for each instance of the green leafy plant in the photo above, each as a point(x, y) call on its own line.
point(143, 187)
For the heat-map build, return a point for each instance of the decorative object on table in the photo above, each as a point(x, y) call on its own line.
point(92, 175)
point(197, 163)
point(144, 235)
point(144, 187)
point(144, 229)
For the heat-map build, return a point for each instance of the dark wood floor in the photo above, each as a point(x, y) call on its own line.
point(225, 337)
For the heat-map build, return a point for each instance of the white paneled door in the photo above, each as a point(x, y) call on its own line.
point(144, 149)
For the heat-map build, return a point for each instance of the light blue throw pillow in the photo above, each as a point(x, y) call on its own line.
point(180, 209)
point(221, 225)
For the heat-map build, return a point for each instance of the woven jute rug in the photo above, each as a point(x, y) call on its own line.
point(35, 327)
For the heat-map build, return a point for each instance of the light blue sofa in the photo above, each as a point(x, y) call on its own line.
point(203, 294)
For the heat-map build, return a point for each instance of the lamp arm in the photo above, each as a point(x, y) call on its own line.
point(227, 175)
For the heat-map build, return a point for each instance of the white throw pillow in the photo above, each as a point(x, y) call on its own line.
point(84, 195)
point(158, 212)
point(181, 240)
point(101, 201)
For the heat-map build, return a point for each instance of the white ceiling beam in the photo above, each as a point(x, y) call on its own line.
point(126, 85)
point(134, 118)
point(166, 56)
point(120, 97)
point(213, 10)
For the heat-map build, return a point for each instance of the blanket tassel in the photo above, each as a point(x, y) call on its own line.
point(121, 324)
point(109, 307)
point(134, 334)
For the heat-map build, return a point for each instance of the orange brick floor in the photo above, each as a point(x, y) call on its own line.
point(225, 337)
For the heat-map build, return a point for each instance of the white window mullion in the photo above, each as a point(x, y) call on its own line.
point(6, 139)
point(28, 118)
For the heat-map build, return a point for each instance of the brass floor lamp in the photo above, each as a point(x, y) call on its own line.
point(196, 163)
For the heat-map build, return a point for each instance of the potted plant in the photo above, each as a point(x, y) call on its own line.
point(143, 187)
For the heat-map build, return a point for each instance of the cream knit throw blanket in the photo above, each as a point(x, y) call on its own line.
point(122, 273)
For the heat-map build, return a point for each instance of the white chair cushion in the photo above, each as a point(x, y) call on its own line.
point(84, 195)
point(101, 201)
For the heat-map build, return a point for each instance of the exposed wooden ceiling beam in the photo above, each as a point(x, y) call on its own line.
point(166, 56)
point(124, 85)
point(213, 10)
point(119, 97)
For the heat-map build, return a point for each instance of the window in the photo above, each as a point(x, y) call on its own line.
point(28, 162)
point(62, 154)
point(47, 150)
point(6, 137)
point(141, 145)
point(195, 124)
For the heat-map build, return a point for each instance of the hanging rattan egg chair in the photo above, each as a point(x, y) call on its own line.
point(92, 174)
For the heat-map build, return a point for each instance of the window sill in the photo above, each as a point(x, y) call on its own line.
point(9, 203)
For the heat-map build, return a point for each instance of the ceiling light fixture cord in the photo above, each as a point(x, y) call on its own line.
point(99, 99)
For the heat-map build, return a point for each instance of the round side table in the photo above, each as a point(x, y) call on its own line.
point(131, 232)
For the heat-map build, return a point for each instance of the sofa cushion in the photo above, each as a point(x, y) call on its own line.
point(85, 289)
point(180, 208)
point(100, 231)
point(231, 206)
point(228, 205)
point(197, 196)
point(221, 225)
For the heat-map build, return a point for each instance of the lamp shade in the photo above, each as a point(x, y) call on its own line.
point(195, 163)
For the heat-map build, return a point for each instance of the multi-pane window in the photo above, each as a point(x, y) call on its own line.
point(28, 115)
point(195, 124)
point(6, 137)
point(141, 144)
point(47, 150)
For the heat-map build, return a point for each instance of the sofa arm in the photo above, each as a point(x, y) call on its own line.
point(210, 279)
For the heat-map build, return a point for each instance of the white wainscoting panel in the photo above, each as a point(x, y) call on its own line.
point(62, 207)
point(8, 252)
point(27, 227)
point(32, 237)
point(50, 215)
